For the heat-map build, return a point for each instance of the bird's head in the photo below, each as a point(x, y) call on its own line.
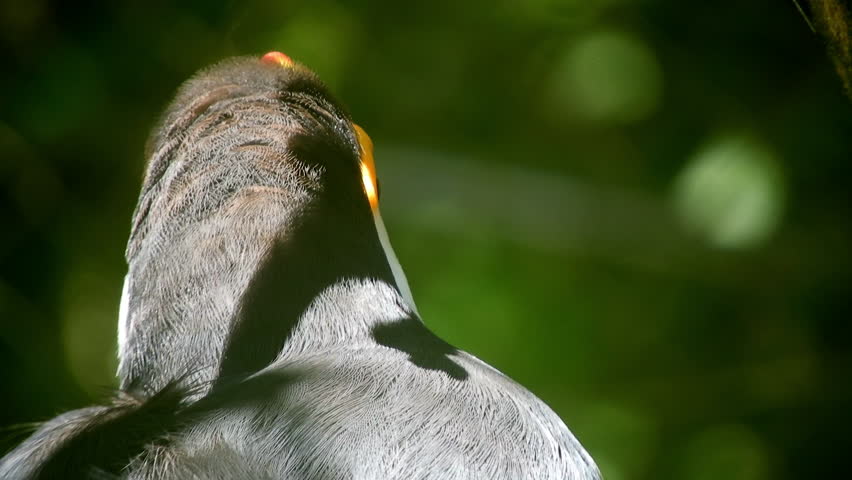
point(259, 192)
point(249, 126)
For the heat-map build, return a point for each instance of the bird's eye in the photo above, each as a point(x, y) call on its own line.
point(368, 166)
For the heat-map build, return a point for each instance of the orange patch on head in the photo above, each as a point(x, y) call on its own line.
point(277, 58)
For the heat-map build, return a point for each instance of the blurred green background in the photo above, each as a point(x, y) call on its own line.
point(638, 209)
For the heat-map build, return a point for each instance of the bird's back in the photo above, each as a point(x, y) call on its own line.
point(366, 411)
point(370, 412)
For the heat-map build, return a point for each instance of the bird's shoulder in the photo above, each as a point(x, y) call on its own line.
point(379, 412)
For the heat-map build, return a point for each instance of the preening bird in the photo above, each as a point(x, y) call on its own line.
point(266, 329)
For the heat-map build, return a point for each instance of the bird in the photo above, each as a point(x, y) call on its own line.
point(266, 329)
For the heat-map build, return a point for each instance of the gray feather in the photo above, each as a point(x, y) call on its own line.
point(263, 332)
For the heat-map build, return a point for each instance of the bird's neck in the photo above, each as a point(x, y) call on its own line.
point(346, 315)
point(230, 295)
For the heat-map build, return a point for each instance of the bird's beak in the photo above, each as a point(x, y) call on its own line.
point(368, 166)
point(371, 189)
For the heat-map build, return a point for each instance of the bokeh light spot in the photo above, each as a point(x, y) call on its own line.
point(610, 77)
point(731, 192)
point(320, 37)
